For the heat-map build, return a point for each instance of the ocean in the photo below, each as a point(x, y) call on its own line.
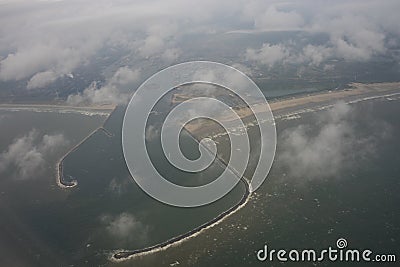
point(44, 225)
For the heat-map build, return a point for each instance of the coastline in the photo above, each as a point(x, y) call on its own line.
point(282, 108)
point(60, 164)
point(101, 110)
point(123, 255)
point(56, 106)
point(355, 90)
point(286, 108)
point(128, 254)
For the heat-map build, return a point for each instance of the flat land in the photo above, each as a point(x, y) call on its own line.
point(54, 107)
point(306, 103)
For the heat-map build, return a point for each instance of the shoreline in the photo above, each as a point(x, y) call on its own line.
point(56, 106)
point(128, 254)
point(354, 90)
point(282, 108)
point(123, 255)
point(293, 106)
point(319, 101)
point(101, 110)
point(60, 163)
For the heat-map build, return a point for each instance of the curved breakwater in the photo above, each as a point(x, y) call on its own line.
point(61, 182)
point(60, 165)
point(124, 255)
point(127, 254)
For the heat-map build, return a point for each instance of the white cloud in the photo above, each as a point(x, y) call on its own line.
point(116, 90)
point(59, 37)
point(41, 41)
point(119, 186)
point(315, 55)
point(273, 19)
point(335, 145)
point(125, 228)
point(357, 30)
point(152, 132)
point(94, 95)
point(353, 37)
point(28, 155)
point(171, 54)
point(44, 58)
point(322, 154)
point(51, 143)
point(125, 76)
point(41, 79)
point(152, 44)
point(268, 54)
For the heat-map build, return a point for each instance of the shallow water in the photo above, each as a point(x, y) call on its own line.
point(32, 208)
point(44, 225)
point(359, 203)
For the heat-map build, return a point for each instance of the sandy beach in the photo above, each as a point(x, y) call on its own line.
point(103, 110)
point(286, 107)
point(358, 92)
point(55, 106)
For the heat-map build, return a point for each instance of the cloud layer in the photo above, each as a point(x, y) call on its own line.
point(124, 228)
point(43, 41)
point(28, 154)
point(116, 90)
point(336, 144)
point(356, 31)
